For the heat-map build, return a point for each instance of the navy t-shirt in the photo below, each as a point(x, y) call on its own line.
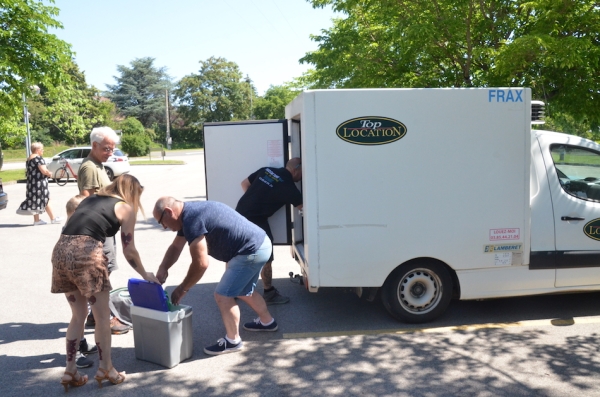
point(227, 233)
point(270, 189)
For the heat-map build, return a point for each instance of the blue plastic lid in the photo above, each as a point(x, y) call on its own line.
point(149, 295)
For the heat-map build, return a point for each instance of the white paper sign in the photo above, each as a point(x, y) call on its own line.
point(503, 259)
point(275, 153)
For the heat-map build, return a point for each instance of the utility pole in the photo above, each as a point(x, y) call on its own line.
point(26, 119)
point(36, 90)
point(250, 85)
point(168, 124)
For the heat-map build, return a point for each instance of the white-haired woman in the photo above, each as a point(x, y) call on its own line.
point(38, 196)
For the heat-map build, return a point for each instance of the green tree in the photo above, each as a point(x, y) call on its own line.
point(71, 109)
point(107, 113)
point(217, 93)
point(140, 91)
point(552, 46)
point(272, 104)
point(29, 55)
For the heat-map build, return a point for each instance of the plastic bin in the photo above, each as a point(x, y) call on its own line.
point(163, 338)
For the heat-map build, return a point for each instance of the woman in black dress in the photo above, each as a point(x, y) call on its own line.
point(38, 195)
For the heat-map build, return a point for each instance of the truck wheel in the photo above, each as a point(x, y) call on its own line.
point(417, 292)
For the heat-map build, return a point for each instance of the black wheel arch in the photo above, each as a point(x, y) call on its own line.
point(425, 259)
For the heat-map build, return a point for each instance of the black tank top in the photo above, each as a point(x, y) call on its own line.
point(94, 217)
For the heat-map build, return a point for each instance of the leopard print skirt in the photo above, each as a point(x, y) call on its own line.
point(78, 263)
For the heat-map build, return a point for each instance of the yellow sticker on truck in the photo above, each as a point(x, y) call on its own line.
point(495, 248)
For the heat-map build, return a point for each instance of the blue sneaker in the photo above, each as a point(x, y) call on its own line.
point(223, 347)
point(256, 325)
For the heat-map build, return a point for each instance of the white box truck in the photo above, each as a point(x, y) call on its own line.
point(425, 194)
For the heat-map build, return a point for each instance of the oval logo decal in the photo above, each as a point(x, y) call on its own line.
point(371, 130)
point(592, 229)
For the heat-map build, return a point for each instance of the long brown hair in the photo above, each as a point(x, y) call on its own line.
point(128, 188)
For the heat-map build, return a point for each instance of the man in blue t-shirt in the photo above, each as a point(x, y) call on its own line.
point(266, 191)
point(215, 228)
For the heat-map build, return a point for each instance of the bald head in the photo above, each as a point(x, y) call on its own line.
point(162, 203)
point(294, 166)
point(167, 211)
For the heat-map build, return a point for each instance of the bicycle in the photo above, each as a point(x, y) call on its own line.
point(62, 175)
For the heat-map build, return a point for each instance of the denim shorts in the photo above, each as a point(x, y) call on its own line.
point(242, 272)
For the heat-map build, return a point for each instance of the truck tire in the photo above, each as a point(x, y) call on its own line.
point(417, 292)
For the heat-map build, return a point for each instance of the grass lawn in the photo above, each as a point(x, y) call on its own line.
point(12, 175)
point(15, 175)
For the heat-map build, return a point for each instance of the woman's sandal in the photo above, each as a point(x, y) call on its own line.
point(115, 381)
point(73, 382)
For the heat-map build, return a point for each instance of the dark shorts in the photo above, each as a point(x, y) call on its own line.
point(264, 225)
point(110, 250)
point(78, 263)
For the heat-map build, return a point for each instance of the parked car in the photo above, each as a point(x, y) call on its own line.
point(116, 165)
point(3, 197)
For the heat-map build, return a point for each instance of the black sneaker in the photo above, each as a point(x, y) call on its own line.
point(223, 347)
point(82, 361)
point(90, 321)
point(85, 348)
point(273, 297)
point(256, 325)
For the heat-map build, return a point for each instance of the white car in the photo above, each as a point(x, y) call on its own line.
point(116, 165)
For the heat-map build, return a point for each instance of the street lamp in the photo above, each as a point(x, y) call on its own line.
point(35, 89)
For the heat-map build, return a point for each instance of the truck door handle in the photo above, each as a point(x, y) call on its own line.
point(571, 218)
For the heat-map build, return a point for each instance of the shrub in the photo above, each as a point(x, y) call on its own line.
point(131, 126)
point(135, 145)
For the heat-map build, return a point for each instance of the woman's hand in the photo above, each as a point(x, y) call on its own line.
point(149, 276)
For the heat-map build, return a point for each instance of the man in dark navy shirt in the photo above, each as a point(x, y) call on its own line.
point(266, 191)
point(210, 227)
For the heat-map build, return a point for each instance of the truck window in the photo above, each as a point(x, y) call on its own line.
point(578, 170)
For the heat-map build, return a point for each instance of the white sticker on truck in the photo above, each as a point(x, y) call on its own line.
point(505, 234)
point(503, 259)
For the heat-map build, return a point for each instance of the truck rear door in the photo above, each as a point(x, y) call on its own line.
point(234, 150)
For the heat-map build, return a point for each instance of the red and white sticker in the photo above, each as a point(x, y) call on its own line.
point(505, 234)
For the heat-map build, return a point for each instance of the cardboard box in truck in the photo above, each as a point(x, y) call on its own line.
point(425, 194)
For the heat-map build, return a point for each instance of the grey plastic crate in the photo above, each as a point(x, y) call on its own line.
point(163, 338)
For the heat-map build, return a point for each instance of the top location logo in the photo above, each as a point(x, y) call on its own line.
point(371, 130)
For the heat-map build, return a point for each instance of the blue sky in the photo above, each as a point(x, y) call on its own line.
point(266, 38)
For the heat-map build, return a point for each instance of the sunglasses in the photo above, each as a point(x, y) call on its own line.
point(161, 216)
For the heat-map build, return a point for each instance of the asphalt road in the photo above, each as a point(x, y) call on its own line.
point(329, 344)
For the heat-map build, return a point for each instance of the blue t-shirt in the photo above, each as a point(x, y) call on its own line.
point(228, 234)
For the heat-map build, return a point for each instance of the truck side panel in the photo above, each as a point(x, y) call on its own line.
point(455, 185)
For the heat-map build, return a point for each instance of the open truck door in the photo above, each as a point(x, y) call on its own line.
point(234, 150)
